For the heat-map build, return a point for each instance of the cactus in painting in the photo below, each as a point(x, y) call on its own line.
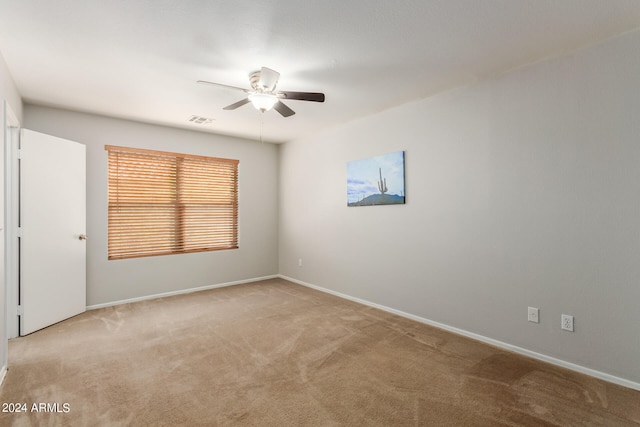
point(382, 185)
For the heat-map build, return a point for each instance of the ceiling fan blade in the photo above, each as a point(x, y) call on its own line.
point(268, 79)
point(283, 109)
point(237, 104)
point(221, 85)
point(302, 96)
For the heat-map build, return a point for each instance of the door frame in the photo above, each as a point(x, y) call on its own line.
point(11, 218)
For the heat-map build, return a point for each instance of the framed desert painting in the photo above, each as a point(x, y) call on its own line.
point(376, 180)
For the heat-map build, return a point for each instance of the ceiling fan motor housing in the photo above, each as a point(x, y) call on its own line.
point(254, 79)
point(264, 80)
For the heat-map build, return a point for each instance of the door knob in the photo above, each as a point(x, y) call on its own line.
point(82, 237)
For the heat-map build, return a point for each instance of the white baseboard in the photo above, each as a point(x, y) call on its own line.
point(3, 372)
point(554, 361)
point(182, 291)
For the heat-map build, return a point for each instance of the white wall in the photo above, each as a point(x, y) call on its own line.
point(8, 93)
point(521, 191)
point(110, 281)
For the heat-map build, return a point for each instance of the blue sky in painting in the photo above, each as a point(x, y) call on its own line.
point(363, 176)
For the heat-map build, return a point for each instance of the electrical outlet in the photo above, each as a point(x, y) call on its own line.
point(299, 262)
point(567, 322)
point(533, 315)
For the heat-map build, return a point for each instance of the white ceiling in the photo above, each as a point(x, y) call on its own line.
point(140, 59)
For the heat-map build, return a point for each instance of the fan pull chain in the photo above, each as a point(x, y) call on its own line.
point(261, 126)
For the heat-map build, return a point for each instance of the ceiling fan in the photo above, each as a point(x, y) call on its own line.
point(264, 96)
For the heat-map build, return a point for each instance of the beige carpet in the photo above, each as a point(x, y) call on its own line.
point(277, 354)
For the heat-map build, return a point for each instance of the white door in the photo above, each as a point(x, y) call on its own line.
point(52, 230)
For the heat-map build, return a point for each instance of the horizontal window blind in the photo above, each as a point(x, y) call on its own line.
point(164, 203)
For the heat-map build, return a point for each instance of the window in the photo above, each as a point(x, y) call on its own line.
point(167, 203)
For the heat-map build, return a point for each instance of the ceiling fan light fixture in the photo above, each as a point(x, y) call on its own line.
point(264, 96)
point(263, 101)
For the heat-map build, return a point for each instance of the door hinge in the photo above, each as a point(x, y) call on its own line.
point(19, 154)
point(19, 232)
point(20, 310)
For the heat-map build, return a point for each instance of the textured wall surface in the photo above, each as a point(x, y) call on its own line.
point(521, 191)
point(110, 281)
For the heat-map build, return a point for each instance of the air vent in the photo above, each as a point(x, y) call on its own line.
point(199, 120)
